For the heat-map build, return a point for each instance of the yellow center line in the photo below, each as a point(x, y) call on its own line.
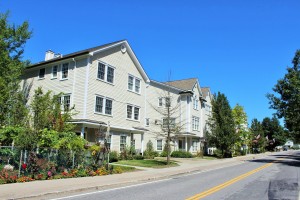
point(230, 182)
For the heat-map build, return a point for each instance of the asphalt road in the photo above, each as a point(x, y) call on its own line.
point(274, 177)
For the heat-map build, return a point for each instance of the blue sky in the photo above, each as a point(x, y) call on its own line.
point(240, 48)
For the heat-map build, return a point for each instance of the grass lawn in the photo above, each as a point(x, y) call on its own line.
point(148, 163)
point(127, 169)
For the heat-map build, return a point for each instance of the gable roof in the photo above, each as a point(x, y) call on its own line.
point(185, 84)
point(206, 92)
point(94, 50)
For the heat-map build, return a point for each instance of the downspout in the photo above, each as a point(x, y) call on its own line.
point(86, 84)
point(73, 88)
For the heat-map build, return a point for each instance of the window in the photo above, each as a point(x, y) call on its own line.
point(108, 141)
point(106, 73)
point(194, 145)
point(54, 71)
point(195, 123)
point(195, 103)
point(168, 102)
point(64, 71)
point(159, 145)
point(65, 102)
point(122, 143)
point(147, 121)
point(170, 122)
point(129, 111)
point(130, 83)
point(133, 112)
point(137, 85)
point(133, 143)
point(134, 84)
point(42, 73)
point(160, 102)
point(103, 105)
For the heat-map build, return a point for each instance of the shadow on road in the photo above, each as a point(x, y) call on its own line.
point(284, 159)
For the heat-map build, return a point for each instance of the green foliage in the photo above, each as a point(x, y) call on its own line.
point(9, 133)
point(221, 132)
point(286, 101)
point(181, 154)
point(138, 157)
point(149, 153)
point(113, 156)
point(12, 41)
point(274, 132)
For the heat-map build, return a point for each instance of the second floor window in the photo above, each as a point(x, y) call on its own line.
point(195, 123)
point(54, 71)
point(106, 73)
point(169, 122)
point(103, 105)
point(64, 70)
point(160, 102)
point(134, 84)
point(133, 112)
point(42, 73)
point(65, 102)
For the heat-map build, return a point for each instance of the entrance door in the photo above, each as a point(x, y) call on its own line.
point(180, 144)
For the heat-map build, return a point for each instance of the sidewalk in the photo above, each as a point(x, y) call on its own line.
point(62, 187)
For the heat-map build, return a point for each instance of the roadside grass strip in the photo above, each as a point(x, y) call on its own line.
point(228, 183)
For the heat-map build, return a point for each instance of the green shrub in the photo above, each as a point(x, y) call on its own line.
point(113, 157)
point(138, 157)
point(163, 154)
point(181, 154)
point(149, 153)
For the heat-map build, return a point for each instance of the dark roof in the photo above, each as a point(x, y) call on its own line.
point(77, 53)
point(186, 84)
point(205, 91)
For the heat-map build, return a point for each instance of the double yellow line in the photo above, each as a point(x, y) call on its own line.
point(230, 182)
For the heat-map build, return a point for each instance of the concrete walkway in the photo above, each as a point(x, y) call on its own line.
point(62, 187)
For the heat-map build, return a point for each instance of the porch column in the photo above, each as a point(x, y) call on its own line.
point(186, 144)
point(82, 132)
point(142, 142)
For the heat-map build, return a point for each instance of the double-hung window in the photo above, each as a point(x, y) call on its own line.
point(65, 102)
point(134, 84)
point(169, 122)
point(122, 143)
point(42, 73)
point(54, 71)
point(64, 71)
point(103, 105)
point(160, 102)
point(133, 112)
point(196, 102)
point(195, 145)
point(159, 145)
point(106, 72)
point(195, 123)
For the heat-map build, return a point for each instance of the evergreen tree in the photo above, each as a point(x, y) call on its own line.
point(12, 41)
point(221, 132)
point(274, 132)
point(287, 100)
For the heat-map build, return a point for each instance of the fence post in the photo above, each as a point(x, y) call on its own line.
point(73, 164)
point(20, 164)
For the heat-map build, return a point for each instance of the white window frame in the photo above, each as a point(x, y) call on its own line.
point(105, 76)
point(160, 102)
point(104, 102)
point(42, 77)
point(62, 72)
point(159, 148)
point(52, 72)
point(194, 147)
point(62, 101)
point(133, 108)
point(172, 122)
point(134, 84)
point(196, 103)
point(147, 122)
point(122, 144)
point(195, 123)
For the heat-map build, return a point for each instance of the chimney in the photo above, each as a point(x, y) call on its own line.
point(49, 55)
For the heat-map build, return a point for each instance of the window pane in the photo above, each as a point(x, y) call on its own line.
point(168, 102)
point(42, 73)
point(67, 103)
point(129, 111)
point(159, 145)
point(54, 71)
point(99, 104)
point(136, 113)
point(110, 74)
point(130, 83)
point(147, 122)
point(160, 102)
point(108, 106)
point(101, 71)
point(64, 70)
point(137, 85)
